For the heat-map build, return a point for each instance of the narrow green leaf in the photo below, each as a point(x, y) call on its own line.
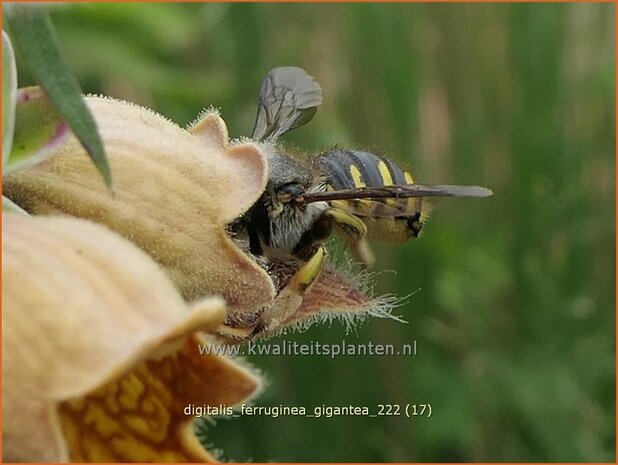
point(9, 206)
point(40, 131)
point(35, 39)
point(9, 91)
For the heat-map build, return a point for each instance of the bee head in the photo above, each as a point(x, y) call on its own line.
point(288, 180)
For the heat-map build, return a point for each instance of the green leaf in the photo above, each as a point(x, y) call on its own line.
point(9, 91)
point(35, 39)
point(40, 130)
point(9, 206)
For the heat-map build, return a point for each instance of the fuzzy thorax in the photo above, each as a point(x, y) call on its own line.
point(290, 222)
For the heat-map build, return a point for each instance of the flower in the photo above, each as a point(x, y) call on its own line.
point(174, 193)
point(99, 351)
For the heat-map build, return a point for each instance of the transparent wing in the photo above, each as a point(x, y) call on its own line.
point(391, 201)
point(288, 99)
point(397, 192)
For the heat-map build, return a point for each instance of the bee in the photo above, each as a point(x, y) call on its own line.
point(359, 195)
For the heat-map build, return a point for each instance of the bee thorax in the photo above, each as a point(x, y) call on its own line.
point(287, 228)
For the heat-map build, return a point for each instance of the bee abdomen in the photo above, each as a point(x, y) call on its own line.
point(347, 169)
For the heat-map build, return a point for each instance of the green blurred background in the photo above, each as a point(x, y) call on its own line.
point(513, 297)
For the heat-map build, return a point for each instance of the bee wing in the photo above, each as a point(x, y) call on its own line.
point(288, 99)
point(390, 201)
point(404, 191)
point(381, 208)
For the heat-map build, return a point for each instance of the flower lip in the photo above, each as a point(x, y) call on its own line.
point(337, 293)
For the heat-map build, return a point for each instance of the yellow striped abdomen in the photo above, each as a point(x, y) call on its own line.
point(392, 220)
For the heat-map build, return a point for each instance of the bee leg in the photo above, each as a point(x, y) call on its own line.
point(362, 252)
point(353, 231)
point(291, 296)
point(313, 238)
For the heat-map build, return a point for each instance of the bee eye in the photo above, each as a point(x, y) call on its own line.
point(290, 191)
